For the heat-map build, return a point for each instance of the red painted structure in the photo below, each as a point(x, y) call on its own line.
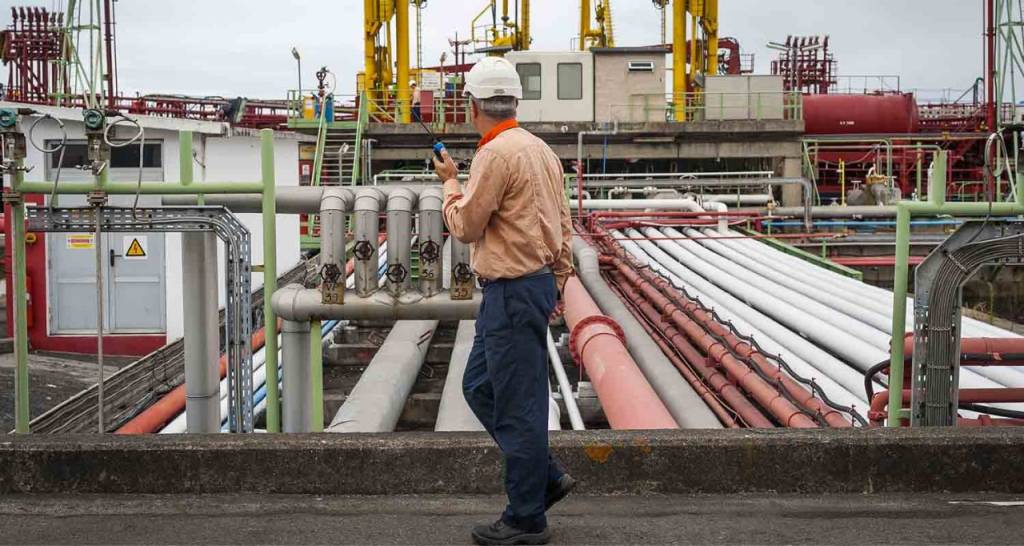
point(861, 114)
point(31, 49)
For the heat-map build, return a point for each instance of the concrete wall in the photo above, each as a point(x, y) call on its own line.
point(549, 107)
point(625, 96)
point(744, 97)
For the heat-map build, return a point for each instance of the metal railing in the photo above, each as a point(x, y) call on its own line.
point(344, 107)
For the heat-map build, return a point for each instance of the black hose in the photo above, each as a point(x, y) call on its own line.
point(869, 377)
point(998, 412)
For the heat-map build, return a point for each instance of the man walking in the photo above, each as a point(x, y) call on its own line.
point(514, 214)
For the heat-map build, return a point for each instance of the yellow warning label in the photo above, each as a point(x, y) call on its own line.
point(135, 247)
point(135, 250)
point(81, 241)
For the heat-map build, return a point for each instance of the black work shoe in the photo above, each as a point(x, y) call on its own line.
point(500, 532)
point(559, 490)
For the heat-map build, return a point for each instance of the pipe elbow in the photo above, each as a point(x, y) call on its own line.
point(401, 200)
point(368, 199)
point(285, 303)
point(431, 199)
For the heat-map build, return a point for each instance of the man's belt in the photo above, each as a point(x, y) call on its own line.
point(546, 270)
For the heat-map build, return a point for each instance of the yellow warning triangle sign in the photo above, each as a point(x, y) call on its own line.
point(135, 250)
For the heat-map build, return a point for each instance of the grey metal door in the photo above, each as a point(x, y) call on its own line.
point(135, 281)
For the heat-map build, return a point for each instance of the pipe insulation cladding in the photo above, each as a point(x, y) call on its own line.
point(682, 401)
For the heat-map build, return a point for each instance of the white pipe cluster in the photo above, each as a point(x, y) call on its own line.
point(824, 325)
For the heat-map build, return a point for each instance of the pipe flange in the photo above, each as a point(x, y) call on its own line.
point(576, 350)
point(330, 273)
point(363, 250)
point(430, 252)
point(462, 272)
point(396, 273)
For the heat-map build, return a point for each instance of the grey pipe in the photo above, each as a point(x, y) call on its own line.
point(296, 344)
point(202, 350)
point(332, 242)
point(431, 241)
point(839, 212)
point(401, 203)
point(290, 199)
point(461, 279)
point(295, 302)
point(454, 413)
point(682, 402)
point(367, 239)
point(376, 402)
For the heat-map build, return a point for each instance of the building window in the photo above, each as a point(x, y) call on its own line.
point(570, 81)
point(641, 66)
point(529, 76)
point(76, 155)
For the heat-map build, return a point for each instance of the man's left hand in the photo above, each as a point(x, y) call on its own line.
point(445, 168)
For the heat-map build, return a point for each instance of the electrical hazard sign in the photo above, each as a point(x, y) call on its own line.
point(135, 247)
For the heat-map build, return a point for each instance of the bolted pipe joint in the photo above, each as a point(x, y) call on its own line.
point(367, 233)
point(400, 206)
point(431, 241)
point(333, 204)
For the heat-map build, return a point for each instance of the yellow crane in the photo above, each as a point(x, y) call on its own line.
point(510, 33)
point(694, 47)
point(377, 75)
point(601, 35)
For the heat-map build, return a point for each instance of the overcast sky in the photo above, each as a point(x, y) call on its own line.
point(242, 47)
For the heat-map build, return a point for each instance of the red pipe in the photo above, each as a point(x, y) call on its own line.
point(880, 402)
point(691, 358)
point(701, 333)
point(744, 350)
point(173, 403)
point(596, 341)
point(994, 347)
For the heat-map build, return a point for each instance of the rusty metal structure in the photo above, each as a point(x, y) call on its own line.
point(32, 50)
point(806, 64)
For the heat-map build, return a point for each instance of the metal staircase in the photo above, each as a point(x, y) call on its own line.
point(340, 156)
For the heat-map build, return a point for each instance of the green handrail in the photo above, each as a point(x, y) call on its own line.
point(361, 121)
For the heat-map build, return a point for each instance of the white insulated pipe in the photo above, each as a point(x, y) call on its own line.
point(844, 384)
point(295, 302)
point(401, 204)
point(202, 347)
point(431, 241)
point(296, 393)
point(564, 386)
point(454, 414)
point(367, 234)
point(376, 402)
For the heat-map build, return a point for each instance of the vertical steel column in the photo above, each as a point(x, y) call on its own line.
point(270, 276)
point(316, 362)
point(402, 59)
point(202, 350)
point(295, 348)
point(679, 59)
point(21, 399)
point(899, 315)
point(100, 319)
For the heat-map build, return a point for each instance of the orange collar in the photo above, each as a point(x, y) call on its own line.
point(497, 130)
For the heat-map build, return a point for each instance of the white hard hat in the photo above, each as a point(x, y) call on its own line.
point(493, 77)
point(412, 83)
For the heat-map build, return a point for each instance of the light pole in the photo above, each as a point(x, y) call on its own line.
point(298, 60)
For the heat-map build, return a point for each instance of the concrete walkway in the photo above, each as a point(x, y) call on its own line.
point(762, 519)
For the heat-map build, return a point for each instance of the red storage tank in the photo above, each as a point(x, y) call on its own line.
point(860, 114)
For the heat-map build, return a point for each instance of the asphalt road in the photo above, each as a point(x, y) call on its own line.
point(760, 519)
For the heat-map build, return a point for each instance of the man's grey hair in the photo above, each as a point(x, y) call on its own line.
point(497, 108)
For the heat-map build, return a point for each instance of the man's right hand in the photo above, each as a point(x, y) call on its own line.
point(445, 168)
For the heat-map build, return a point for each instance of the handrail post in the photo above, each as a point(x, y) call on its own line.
point(270, 277)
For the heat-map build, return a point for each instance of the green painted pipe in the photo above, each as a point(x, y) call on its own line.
point(316, 357)
point(148, 188)
point(270, 274)
point(936, 205)
point(185, 157)
point(21, 399)
point(937, 184)
point(899, 314)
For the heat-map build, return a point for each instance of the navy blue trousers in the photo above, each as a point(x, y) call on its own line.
point(506, 385)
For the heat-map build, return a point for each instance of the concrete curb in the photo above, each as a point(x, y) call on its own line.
point(606, 462)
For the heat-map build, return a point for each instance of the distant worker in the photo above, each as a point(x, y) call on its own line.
point(514, 214)
point(417, 98)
